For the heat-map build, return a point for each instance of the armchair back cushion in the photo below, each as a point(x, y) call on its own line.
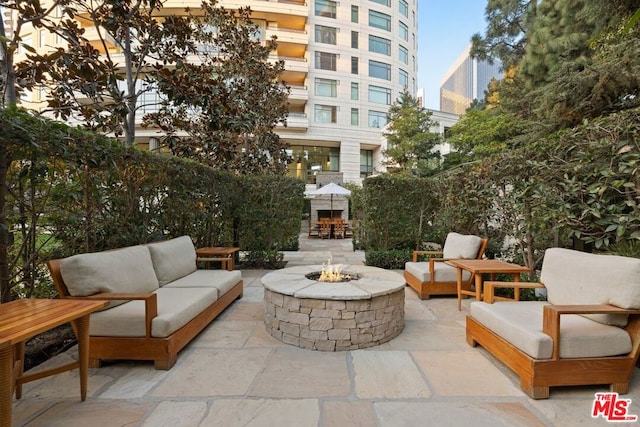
point(592, 279)
point(459, 246)
point(121, 270)
point(173, 259)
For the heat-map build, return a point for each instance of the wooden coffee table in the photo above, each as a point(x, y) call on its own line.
point(221, 254)
point(23, 319)
point(478, 267)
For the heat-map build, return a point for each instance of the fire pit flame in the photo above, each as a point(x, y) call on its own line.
point(333, 273)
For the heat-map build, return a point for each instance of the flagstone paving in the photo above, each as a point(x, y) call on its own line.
point(235, 374)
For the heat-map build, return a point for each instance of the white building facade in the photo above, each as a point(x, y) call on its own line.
point(346, 63)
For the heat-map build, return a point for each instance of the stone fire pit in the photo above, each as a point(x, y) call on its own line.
point(363, 312)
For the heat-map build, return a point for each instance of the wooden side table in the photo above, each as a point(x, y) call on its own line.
point(23, 319)
point(222, 254)
point(478, 267)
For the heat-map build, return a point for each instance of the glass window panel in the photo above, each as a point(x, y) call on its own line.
point(404, 31)
point(355, 117)
point(383, 2)
point(326, 8)
point(379, 20)
point(377, 119)
point(403, 78)
point(325, 113)
point(325, 34)
point(404, 8)
point(326, 87)
point(355, 89)
point(325, 61)
point(379, 45)
point(354, 14)
point(403, 55)
point(380, 95)
point(354, 39)
point(354, 65)
point(379, 70)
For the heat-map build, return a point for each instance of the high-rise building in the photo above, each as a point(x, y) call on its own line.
point(466, 81)
point(346, 63)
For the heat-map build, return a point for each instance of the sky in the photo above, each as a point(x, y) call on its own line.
point(445, 28)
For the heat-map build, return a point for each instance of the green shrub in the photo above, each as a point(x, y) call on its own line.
point(391, 259)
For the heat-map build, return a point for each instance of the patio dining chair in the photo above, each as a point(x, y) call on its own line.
point(435, 276)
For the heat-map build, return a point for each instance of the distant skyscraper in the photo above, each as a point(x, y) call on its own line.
point(466, 80)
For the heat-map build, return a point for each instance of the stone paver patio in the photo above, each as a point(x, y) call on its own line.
point(235, 374)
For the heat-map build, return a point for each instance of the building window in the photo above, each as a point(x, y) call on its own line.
point(379, 20)
point(355, 90)
point(326, 113)
point(354, 39)
point(380, 95)
point(354, 14)
point(354, 65)
point(307, 161)
point(403, 6)
point(403, 55)
point(326, 61)
point(404, 31)
point(43, 38)
point(326, 87)
point(377, 119)
point(366, 163)
point(325, 34)
point(383, 2)
point(355, 117)
point(403, 79)
point(379, 70)
point(379, 45)
point(326, 8)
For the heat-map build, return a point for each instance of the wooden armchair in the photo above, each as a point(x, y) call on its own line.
point(587, 333)
point(435, 276)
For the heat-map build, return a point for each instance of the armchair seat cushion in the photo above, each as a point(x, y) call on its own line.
point(176, 307)
point(443, 272)
point(222, 280)
point(521, 325)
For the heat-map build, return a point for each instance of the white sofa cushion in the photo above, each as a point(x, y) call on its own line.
point(520, 323)
point(121, 270)
point(573, 277)
point(222, 280)
point(443, 272)
point(176, 307)
point(173, 259)
point(459, 246)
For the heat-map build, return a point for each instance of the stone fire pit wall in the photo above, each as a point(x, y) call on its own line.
point(334, 316)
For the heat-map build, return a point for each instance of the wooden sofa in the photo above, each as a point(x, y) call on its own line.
point(587, 333)
point(435, 276)
point(159, 300)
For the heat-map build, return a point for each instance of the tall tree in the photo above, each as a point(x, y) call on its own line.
point(101, 82)
point(506, 35)
point(229, 100)
point(410, 142)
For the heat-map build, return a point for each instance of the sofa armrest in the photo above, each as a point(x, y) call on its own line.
point(417, 253)
point(489, 289)
point(552, 313)
point(150, 304)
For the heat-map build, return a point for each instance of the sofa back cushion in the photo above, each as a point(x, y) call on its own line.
point(173, 259)
point(121, 270)
point(573, 277)
point(459, 246)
